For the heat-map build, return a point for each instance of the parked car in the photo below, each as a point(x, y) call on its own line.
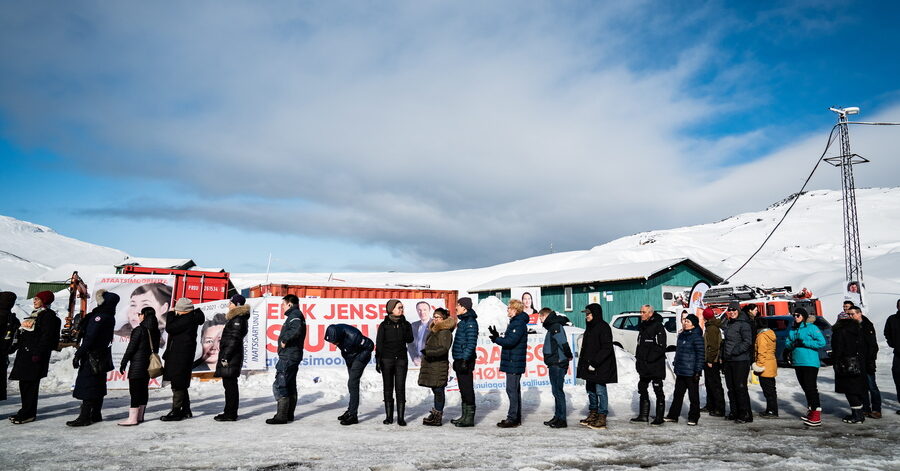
point(625, 330)
point(781, 325)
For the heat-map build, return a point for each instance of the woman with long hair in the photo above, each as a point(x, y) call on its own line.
point(144, 341)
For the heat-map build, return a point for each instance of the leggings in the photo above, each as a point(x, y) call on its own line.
point(137, 387)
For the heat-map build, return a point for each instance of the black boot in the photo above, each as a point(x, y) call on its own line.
point(401, 414)
point(292, 406)
point(186, 405)
point(644, 411)
point(344, 415)
point(176, 413)
point(468, 418)
point(96, 407)
point(281, 416)
point(84, 416)
point(388, 412)
point(660, 412)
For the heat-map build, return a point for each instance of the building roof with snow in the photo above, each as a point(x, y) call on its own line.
point(173, 263)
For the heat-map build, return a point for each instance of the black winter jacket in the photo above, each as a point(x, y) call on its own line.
point(892, 329)
point(848, 340)
point(690, 354)
point(9, 324)
point(392, 337)
point(349, 340)
point(597, 359)
point(181, 347)
point(95, 347)
point(738, 343)
point(34, 347)
point(650, 355)
point(514, 343)
point(557, 351)
point(231, 344)
point(293, 336)
point(144, 340)
point(868, 330)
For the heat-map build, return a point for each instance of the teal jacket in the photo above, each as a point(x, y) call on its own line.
point(806, 340)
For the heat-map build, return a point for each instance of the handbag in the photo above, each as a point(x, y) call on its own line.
point(96, 366)
point(155, 368)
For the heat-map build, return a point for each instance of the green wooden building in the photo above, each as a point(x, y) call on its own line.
point(617, 288)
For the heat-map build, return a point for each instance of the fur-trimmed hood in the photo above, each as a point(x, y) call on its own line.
point(238, 311)
point(446, 324)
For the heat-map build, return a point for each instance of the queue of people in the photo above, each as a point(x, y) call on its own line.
point(739, 343)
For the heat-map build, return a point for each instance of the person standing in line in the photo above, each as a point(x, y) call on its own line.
point(465, 355)
point(181, 325)
point(736, 350)
point(93, 359)
point(650, 363)
point(871, 400)
point(144, 340)
point(765, 366)
point(513, 356)
point(690, 354)
point(356, 350)
point(597, 365)
point(38, 337)
point(291, 341)
point(892, 335)
point(9, 325)
point(712, 369)
point(802, 347)
point(436, 362)
point(557, 355)
point(231, 355)
point(394, 333)
point(850, 349)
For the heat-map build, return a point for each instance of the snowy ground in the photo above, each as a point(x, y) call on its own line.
point(317, 441)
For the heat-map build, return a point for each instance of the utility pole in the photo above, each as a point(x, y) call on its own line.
point(846, 160)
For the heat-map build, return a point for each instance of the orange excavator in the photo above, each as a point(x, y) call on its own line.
point(68, 336)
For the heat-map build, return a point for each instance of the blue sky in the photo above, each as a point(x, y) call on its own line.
point(422, 135)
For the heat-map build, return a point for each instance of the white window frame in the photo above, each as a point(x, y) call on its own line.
point(567, 299)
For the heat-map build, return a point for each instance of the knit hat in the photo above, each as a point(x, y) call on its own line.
point(46, 297)
point(843, 315)
point(693, 319)
point(466, 303)
point(391, 304)
point(184, 305)
point(238, 300)
point(801, 312)
point(734, 306)
point(708, 313)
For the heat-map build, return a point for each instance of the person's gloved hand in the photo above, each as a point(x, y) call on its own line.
point(697, 376)
point(494, 333)
point(76, 362)
point(122, 367)
point(224, 363)
point(378, 367)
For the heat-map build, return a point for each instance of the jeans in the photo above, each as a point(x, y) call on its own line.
point(692, 386)
point(715, 395)
point(807, 377)
point(736, 375)
point(771, 394)
point(466, 381)
point(285, 378)
point(439, 398)
point(514, 393)
point(355, 367)
point(557, 379)
point(872, 401)
point(393, 376)
point(137, 388)
point(232, 395)
point(598, 399)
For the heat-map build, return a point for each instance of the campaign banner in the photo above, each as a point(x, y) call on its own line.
point(531, 298)
point(210, 335)
point(364, 314)
point(136, 291)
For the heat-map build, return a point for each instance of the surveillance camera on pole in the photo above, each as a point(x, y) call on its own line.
point(844, 112)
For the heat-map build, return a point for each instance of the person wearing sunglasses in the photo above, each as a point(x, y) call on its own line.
point(803, 344)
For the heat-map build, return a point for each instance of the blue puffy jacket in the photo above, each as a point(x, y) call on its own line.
point(806, 340)
point(466, 338)
point(515, 345)
point(690, 353)
point(349, 339)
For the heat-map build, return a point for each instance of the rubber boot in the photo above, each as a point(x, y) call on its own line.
point(462, 413)
point(401, 414)
point(388, 413)
point(84, 416)
point(133, 414)
point(176, 413)
point(141, 413)
point(186, 405)
point(468, 418)
point(96, 407)
point(281, 416)
point(644, 412)
point(291, 407)
point(660, 412)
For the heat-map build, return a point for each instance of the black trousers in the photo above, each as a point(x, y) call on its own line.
point(768, 387)
point(807, 376)
point(692, 386)
point(466, 381)
point(736, 375)
point(855, 400)
point(715, 395)
point(393, 375)
point(29, 391)
point(137, 388)
point(232, 395)
point(644, 381)
point(895, 372)
point(4, 363)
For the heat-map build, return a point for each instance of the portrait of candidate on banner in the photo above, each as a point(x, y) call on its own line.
point(531, 298)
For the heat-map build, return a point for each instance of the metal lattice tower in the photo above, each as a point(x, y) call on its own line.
point(846, 161)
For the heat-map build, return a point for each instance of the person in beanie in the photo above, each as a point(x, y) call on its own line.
point(557, 355)
point(802, 347)
point(712, 369)
point(38, 336)
point(513, 356)
point(9, 326)
point(356, 350)
point(650, 362)
point(392, 360)
point(231, 355)
point(765, 366)
point(464, 356)
point(181, 325)
point(143, 341)
point(872, 398)
point(849, 349)
point(736, 355)
point(291, 341)
point(892, 335)
point(436, 362)
point(597, 365)
point(93, 359)
point(690, 355)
